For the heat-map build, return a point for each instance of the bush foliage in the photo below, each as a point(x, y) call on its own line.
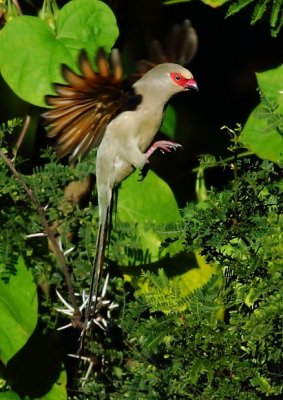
point(196, 295)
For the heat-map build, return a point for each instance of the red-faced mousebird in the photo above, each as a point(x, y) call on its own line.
point(101, 110)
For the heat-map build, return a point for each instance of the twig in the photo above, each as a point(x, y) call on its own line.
point(223, 162)
point(57, 250)
point(22, 135)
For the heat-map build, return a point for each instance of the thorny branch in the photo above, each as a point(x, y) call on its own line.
point(47, 229)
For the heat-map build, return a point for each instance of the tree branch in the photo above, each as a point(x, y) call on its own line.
point(48, 230)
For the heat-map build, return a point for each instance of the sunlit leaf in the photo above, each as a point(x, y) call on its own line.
point(212, 3)
point(263, 132)
point(147, 203)
point(9, 396)
point(18, 311)
point(58, 390)
point(149, 200)
point(31, 53)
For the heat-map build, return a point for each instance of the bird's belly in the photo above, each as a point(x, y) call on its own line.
point(147, 131)
point(122, 169)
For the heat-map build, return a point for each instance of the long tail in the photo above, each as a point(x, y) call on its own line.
point(97, 267)
point(103, 232)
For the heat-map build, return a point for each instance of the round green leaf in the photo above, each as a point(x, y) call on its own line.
point(31, 53)
point(9, 396)
point(58, 390)
point(90, 22)
point(263, 132)
point(145, 204)
point(33, 63)
point(18, 311)
point(149, 200)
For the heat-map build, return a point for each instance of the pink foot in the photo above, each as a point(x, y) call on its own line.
point(165, 146)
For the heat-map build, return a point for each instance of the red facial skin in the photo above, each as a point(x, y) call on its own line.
point(182, 81)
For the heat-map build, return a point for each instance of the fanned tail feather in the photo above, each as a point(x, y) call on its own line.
point(84, 106)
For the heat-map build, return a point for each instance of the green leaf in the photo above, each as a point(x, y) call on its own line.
point(212, 3)
point(31, 53)
point(89, 22)
point(236, 6)
point(169, 122)
point(146, 204)
point(58, 390)
point(215, 3)
point(18, 311)
point(263, 132)
point(150, 200)
point(258, 12)
point(9, 396)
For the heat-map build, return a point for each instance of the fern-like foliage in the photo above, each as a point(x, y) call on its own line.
point(274, 8)
point(261, 7)
point(186, 348)
point(221, 341)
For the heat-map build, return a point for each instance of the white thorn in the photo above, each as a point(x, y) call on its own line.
point(60, 244)
point(113, 306)
point(83, 305)
point(87, 373)
point(64, 301)
point(104, 322)
point(32, 235)
point(80, 357)
point(88, 325)
point(68, 251)
point(103, 293)
point(64, 327)
point(98, 324)
point(66, 312)
point(84, 297)
point(45, 207)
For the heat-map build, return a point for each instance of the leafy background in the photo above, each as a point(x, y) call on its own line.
point(195, 256)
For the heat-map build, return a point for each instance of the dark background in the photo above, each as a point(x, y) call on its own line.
point(230, 52)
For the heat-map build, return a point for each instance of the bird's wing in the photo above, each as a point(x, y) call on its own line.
point(84, 106)
point(179, 47)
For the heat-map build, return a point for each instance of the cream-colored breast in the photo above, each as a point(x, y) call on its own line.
point(148, 127)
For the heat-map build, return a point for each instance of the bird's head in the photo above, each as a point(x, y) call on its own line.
point(167, 79)
point(183, 80)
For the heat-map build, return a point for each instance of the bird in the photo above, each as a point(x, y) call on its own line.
point(104, 110)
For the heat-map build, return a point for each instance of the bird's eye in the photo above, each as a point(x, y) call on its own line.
point(178, 77)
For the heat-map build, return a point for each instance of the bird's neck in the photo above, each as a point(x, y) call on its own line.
point(152, 98)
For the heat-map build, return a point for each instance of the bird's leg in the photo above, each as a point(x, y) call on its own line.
point(165, 146)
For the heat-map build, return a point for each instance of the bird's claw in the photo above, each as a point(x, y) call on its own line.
point(144, 172)
point(165, 146)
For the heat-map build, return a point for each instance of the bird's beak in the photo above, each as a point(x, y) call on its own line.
point(191, 84)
